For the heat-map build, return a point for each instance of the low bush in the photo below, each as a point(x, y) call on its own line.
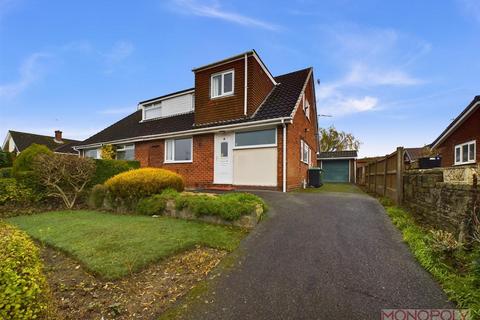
point(154, 205)
point(230, 206)
point(105, 169)
point(14, 192)
point(97, 196)
point(6, 172)
point(443, 241)
point(141, 183)
point(24, 162)
point(23, 286)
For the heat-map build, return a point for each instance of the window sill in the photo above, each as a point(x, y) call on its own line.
point(173, 162)
point(465, 163)
point(222, 96)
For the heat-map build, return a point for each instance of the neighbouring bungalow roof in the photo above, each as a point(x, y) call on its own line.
point(24, 139)
point(280, 103)
point(347, 154)
point(414, 154)
point(457, 121)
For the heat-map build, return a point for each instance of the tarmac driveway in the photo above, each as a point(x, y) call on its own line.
point(321, 256)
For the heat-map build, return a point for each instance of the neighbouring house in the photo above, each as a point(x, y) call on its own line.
point(338, 166)
point(239, 126)
point(18, 141)
point(412, 155)
point(457, 144)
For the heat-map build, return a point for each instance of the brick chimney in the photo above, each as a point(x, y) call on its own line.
point(58, 135)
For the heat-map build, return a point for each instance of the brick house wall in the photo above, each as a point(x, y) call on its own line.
point(259, 85)
point(467, 131)
point(197, 174)
point(305, 129)
point(209, 110)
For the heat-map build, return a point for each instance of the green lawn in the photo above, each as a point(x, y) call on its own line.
point(334, 187)
point(115, 245)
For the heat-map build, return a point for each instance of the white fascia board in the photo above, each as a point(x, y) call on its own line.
point(255, 124)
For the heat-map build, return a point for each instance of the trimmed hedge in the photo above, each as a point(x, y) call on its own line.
point(141, 183)
point(12, 191)
point(6, 172)
point(105, 169)
point(23, 286)
point(97, 196)
point(6, 159)
point(24, 162)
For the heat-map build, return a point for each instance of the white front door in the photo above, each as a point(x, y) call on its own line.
point(223, 158)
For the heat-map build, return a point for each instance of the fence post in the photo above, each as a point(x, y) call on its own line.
point(385, 176)
point(375, 177)
point(399, 179)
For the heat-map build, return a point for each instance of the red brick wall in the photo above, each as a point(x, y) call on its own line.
point(468, 131)
point(224, 108)
point(197, 174)
point(301, 129)
point(259, 85)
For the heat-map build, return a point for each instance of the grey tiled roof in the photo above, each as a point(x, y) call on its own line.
point(24, 139)
point(279, 103)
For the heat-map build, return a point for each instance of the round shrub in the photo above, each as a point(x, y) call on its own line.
point(141, 183)
point(24, 162)
point(154, 205)
point(97, 196)
point(22, 284)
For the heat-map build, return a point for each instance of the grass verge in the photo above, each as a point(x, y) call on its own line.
point(113, 246)
point(461, 287)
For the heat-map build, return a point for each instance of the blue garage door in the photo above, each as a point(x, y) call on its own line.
point(335, 170)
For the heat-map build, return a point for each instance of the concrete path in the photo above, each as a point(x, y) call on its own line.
point(321, 256)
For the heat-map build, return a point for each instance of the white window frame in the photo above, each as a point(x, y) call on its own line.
point(98, 156)
point(125, 147)
point(152, 106)
point(304, 145)
point(460, 146)
point(222, 75)
point(173, 150)
point(306, 107)
point(255, 146)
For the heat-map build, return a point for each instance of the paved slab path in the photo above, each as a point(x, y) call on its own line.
point(321, 256)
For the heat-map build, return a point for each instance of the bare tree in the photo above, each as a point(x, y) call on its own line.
point(333, 140)
point(64, 176)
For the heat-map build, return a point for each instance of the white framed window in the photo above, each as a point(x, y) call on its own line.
point(466, 152)
point(153, 111)
point(178, 150)
point(126, 152)
point(222, 84)
point(92, 153)
point(305, 152)
point(256, 138)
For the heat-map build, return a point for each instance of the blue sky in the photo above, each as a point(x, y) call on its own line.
point(394, 73)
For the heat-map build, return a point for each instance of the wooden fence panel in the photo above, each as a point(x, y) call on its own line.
point(384, 176)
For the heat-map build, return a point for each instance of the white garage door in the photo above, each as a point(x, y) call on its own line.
point(255, 167)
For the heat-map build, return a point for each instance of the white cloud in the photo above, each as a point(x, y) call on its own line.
point(118, 53)
point(214, 10)
point(471, 8)
point(29, 71)
point(373, 59)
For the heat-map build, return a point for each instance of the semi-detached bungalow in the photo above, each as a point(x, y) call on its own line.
point(238, 127)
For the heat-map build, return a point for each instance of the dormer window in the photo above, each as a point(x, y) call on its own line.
point(152, 111)
point(221, 84)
